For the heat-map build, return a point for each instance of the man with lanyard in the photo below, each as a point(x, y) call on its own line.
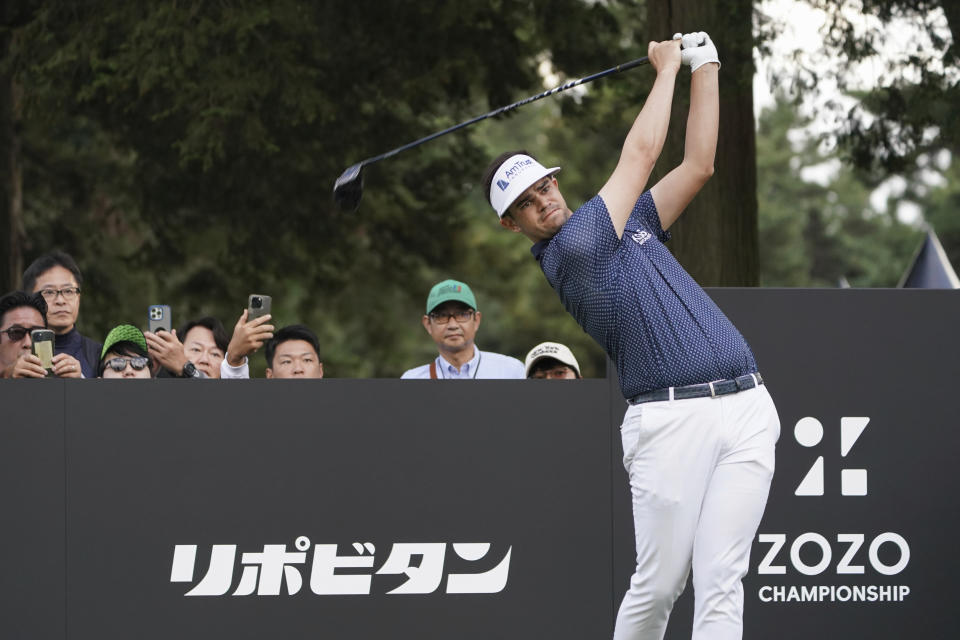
point(699, 434)
point(452, 320)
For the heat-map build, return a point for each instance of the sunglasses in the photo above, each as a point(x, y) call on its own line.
point(19, 333)
point(119, 364)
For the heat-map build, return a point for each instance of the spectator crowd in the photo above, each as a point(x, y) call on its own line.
point(48, 305)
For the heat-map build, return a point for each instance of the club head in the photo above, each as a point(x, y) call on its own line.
point(348, 188)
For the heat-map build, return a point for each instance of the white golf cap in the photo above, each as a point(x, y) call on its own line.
point(515, 176)
point(553, 350)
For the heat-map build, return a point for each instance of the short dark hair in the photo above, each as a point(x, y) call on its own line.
point(220, 336)
point(46, 262)
point(290, 332)
point(494, 165)
point(125, 348)
point(17, 299)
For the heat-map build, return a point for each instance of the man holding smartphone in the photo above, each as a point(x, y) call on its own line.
point(249, 334)
point(57, 278)
point(21, 313)
point(199, 355)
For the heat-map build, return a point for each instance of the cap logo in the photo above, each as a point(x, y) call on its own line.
point(503, 184)
point(544, 350)
point(516, 168)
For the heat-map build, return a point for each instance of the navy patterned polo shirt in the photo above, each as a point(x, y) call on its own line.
point(632, 296)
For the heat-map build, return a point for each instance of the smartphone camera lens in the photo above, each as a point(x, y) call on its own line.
point(256, 302)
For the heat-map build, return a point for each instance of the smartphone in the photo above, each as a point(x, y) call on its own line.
point(159, 318)
point(258, 305)
point(42, 347)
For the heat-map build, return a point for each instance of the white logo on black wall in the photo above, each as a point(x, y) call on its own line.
point(343, 569)
point(841, 554)
point(809, 433)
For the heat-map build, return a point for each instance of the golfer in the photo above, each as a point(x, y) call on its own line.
point(700, 430)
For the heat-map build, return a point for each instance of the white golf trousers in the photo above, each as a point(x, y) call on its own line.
point(700, 471)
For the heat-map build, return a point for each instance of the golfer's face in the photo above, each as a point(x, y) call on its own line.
point(540, 211)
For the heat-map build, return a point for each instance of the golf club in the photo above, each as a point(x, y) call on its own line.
point(348, 188)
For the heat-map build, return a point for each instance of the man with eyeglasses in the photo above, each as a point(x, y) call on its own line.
point(452, 320)
point(57, 278)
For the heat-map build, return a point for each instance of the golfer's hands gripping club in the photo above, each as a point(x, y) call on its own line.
point(664, 56)
point(697, 49)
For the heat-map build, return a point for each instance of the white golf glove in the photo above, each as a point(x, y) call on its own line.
point(696, 49)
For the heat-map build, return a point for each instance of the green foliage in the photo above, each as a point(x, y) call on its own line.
point(906, 117)
point(939, 201)
point(912, 110)
point(812, 235)
point(185, 154)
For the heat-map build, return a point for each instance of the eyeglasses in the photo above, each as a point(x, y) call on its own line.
point(443, 318)
point(68, 293)
point(119, 364)
point(17, 333)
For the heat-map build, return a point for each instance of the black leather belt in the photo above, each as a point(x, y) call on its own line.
point(707, 390)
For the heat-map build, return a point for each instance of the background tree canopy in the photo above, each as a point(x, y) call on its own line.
point(184, 153)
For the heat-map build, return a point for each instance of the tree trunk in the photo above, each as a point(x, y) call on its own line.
point(716, 239)
point(11, 178)
point(951, 9)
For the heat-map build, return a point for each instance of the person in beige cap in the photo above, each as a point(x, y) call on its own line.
point(553, 361)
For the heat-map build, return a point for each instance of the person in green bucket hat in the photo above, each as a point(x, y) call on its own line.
point(124, 354)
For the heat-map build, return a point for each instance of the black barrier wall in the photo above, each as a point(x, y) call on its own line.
point(858, 537)
point(492, 509)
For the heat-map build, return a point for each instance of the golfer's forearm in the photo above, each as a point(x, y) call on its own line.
point(700, 147)
point(649, 131)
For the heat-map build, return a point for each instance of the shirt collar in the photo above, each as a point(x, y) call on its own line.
point(68, 339)
point(538, 248)
point(467, 367)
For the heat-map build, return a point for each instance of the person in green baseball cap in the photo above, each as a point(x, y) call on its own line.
point(124, 354)
point(452, 320)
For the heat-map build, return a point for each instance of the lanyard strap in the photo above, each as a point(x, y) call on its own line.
point(433, 366)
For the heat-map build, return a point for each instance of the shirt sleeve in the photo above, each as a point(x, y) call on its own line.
point(228, 372)
point(517, 370)
point(645, 212)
